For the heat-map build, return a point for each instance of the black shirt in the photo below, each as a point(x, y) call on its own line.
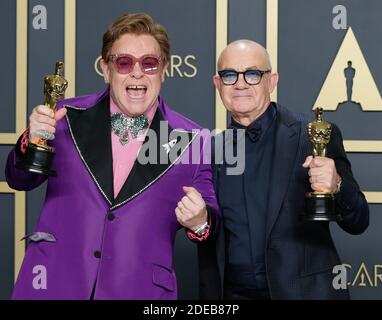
point(244, 198)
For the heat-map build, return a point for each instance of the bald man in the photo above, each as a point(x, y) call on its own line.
point(264, 250)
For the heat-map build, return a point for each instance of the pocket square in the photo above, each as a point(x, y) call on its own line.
point(40, 236)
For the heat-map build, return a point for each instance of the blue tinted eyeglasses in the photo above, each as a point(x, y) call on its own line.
point(252, 77)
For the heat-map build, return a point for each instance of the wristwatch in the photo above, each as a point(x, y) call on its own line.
point(202, 230)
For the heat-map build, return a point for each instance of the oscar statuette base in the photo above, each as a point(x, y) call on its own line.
point(38, 159)
point(320, 207)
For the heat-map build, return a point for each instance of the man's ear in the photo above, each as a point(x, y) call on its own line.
point(163, 75)
point(105, 70)
point(217, 82)
point(273, 80)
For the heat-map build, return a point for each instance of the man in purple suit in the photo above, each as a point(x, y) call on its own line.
point(123, 187)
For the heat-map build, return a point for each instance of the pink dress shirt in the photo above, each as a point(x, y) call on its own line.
point(124, 156)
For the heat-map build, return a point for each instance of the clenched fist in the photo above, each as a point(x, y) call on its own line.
point(191, 211)
point(323, 174)
point(42, 123)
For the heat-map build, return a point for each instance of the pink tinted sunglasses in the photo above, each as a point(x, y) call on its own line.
point(124, 63)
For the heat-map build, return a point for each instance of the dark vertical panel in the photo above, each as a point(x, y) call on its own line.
point(247, 20)
point(4, 150)
point(7, 124)
point(367, 170)
point(8, 65)
point(6, 245)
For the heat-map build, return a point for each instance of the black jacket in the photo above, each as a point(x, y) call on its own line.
point(300, 256)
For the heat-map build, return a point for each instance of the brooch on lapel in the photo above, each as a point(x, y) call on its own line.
point(167, 146)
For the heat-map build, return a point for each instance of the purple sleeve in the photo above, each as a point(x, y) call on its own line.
point(19, 179)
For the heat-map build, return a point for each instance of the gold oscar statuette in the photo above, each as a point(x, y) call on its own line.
point(320, 205)
point(39, 155)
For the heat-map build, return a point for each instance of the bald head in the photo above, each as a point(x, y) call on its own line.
point(246, 100)
point(243, 47)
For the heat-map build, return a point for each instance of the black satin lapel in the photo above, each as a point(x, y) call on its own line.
point(284, 157)
point(143, 175)
point(91, 133)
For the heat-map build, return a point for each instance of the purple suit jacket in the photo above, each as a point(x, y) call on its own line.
point(121, 247)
